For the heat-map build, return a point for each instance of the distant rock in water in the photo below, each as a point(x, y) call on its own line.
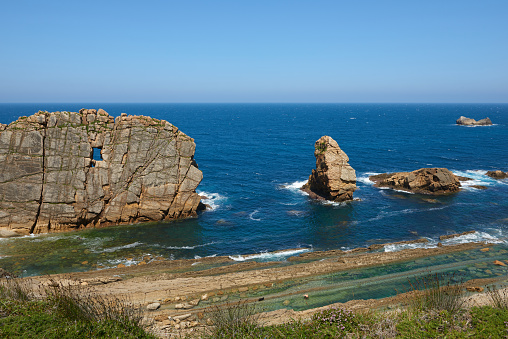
point(333, 179)
point(472, 122)
point(425, 181)
point(67, 170)
point(497, 174)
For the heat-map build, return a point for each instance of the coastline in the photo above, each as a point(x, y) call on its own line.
point(190, 287)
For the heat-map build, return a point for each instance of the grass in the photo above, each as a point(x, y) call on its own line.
point(65, 312)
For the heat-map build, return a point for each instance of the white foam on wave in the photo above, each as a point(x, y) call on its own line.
point(479, 178)
point(215, 200)
point(462, 239)
point(189, 247)
point(251, 216)
point(476, 125)
point(269, 256)
point(364, 178)
point(386, 214)
point(400, 247)
point(473, 237)
point(295, 186)
point(116, 248)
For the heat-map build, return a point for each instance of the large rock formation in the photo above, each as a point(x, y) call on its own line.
point(425, 181)
point(333, 179)
point(49, 180)
point(472, 122)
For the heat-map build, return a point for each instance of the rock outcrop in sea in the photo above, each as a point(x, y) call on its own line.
point(50, 181)
point(498, 174)
point(333, 179)
point(434, 181)
point(472, 122)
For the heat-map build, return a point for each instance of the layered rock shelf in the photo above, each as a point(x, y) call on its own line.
point(333, 179)
point(50, 181)
point(433, 181)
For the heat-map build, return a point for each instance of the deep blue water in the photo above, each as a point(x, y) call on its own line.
point(254, 156)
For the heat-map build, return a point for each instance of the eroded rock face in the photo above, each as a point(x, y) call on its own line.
point(49, 180)
point(425, 181)
point(333, 179)
point(472, 122)
point(497, 174)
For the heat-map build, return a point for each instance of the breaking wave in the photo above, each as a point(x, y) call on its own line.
point(214, 200)
point(269, 256)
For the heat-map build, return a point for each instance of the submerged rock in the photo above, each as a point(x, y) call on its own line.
point(333, 179)
point(425, 181)
point(497, 174)
point(50, 181)
point(472, 122)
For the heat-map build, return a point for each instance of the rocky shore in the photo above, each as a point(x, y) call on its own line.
point(177, 294)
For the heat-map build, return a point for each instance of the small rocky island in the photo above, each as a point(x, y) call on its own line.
point(472, 122)
point(333, 179)
point(50, 181)
point(434, 181)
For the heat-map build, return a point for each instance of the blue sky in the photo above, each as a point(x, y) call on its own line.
point(254, 51)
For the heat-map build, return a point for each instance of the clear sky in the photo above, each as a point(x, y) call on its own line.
point(254, 51)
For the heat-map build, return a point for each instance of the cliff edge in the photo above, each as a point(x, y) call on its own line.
point(50, 181)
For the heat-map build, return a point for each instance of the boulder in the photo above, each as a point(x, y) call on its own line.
point(497, 174)
point(333, 179)
point(50, 180)
point(433, 181)
point(472, 122)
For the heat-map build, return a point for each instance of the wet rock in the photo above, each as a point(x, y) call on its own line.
point(497, 174)
point(449, 236)
point(333, 179)
point(472, 122)
point(8, 233)
point(433, 181)
point(50, 182)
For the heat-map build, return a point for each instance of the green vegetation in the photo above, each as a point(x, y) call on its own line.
point(321, 148)
point(65, 312)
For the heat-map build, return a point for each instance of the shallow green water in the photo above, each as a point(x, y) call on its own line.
point(375, 282)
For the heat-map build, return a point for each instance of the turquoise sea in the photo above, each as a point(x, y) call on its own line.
point(254, 158)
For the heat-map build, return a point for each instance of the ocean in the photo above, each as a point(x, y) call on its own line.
point(254, 158)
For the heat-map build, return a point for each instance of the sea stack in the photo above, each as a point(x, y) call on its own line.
point(333, 179)
point(50, 180)
point(472, 122)
point(435, 181)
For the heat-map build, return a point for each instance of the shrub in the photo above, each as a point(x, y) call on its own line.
point(29, 311)
point(236, 320)
point(498, 298)
point(344, 320)
point(437, 292)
